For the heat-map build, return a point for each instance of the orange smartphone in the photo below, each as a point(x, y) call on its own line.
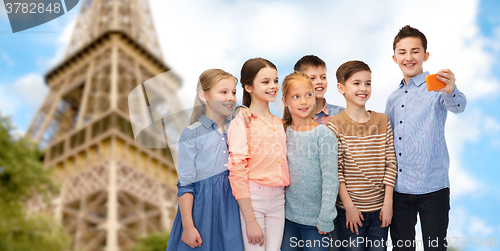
point(433, 83)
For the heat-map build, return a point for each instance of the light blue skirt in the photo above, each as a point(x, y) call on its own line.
point(216, 216)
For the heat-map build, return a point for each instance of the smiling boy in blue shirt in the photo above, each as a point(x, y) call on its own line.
point(418, 118)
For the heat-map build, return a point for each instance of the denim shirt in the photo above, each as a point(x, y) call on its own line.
point(203, 153)
point(418, 119)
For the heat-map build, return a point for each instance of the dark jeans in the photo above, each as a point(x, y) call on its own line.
point(334, 236)
point(433, 209)
point(301, 237)
point(371, 236)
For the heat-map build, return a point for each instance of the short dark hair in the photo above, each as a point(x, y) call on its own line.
point(408, 31)
point(308, 61)
point(347, 69)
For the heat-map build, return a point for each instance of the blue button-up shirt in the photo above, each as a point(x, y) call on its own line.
point(418, 119)
point(203, 151)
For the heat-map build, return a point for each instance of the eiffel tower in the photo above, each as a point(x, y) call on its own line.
point(114, 191)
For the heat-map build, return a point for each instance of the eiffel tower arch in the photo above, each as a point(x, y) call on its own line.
point(114, 191)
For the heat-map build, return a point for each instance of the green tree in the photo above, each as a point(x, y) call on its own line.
point(153, 242)
point(21, 176)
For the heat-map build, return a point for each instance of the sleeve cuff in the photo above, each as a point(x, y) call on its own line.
point(181, 190)
point(325, 226)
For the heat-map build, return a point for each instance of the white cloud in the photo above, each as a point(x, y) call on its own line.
point(491, 125)
point(31, 88)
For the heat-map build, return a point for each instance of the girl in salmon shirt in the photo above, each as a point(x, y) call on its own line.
point(257, 160)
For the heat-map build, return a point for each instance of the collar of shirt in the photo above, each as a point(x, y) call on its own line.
point(325, 110)
point(208, 123)
point(417, 80)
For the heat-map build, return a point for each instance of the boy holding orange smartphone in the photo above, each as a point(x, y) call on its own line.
point(418, 117)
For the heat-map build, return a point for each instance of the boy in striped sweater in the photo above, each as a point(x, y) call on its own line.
point(367, 163)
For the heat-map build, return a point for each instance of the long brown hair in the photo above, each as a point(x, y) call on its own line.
point(207, 80)
point(285, 86)
point(248, 72)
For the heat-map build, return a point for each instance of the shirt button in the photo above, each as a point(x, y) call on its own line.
point(458, 104)
point(224, 152)
point(279, 161)
point(400, 170)
point(222, 138)
point(406, 91)
point(401, 122)
point(225, 164)
point(399, 138)
point(454, 95)
point(403, 106)
point(281, 178)
point(399, 154)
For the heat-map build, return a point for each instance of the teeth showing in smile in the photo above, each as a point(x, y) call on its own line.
point(409, 65)
point(319, 89)
point(304, 109)
point(362, 95)
point(271, 93)
point(229, 106)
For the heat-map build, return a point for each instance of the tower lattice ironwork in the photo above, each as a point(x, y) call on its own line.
point(113, 190)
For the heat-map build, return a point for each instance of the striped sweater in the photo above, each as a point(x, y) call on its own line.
point(366, 158)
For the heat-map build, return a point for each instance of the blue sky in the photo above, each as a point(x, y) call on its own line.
point(463, 36)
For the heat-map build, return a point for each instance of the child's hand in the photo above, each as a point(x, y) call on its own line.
point(386, 215)
point(191, 237)
point(246, 115)
point(353, 219)
point(448, 78)
point(255, 234)
point(321, 232)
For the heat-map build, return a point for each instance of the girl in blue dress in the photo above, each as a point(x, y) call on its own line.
point(208, 216)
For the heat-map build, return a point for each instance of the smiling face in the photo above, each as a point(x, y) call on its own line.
point(410, 55)
point(317, 74)
point(221, 98)
point(357, 89)
point(265, 85)
point(299, 99)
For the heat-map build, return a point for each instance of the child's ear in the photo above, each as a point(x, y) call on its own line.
point(284, 101)
point(248, 88)
point(395, 59)
point(340, 87)
point(201, 95)
point(426, 56)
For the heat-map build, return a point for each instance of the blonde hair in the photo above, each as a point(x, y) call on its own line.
point(206, 81)
point(287, 82)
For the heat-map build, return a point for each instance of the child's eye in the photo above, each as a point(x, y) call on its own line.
point(309, 95)
point(276, 81)
point(323, 78)
point(234, 93)
point(295, 96)
point(368, 83)
point(266, 82)
point(224, 92)
point(312, 79)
